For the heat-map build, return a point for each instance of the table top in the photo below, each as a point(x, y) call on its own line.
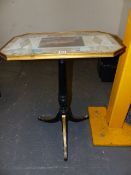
point(58, 45)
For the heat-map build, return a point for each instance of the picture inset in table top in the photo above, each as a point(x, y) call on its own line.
point(61, 42)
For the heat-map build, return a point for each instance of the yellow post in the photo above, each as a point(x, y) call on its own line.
point(109, 126)
point(121, 93)
point(121, 96)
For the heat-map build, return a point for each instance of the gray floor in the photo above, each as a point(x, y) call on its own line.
point(31, 147)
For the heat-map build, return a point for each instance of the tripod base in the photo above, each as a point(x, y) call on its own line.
point(64, 121)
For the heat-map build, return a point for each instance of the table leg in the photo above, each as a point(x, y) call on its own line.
point(64, 114)
point(64, 132)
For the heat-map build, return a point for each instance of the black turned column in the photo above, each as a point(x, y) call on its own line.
point(63, 98)
point(62, 92)
point(64, 108)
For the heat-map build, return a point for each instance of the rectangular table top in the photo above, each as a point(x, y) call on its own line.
point(62, 45)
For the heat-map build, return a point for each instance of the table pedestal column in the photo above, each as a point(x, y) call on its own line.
point(64, 114)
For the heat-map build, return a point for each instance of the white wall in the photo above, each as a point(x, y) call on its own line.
point(21, 16)
point(124, 16)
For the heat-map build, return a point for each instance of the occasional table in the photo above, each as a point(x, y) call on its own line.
point(61, 46)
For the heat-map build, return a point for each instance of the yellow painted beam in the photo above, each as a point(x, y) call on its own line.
point(108, 125)
point(120, 98)
point(121, 92)
point(102, 134)
point(127, 35)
